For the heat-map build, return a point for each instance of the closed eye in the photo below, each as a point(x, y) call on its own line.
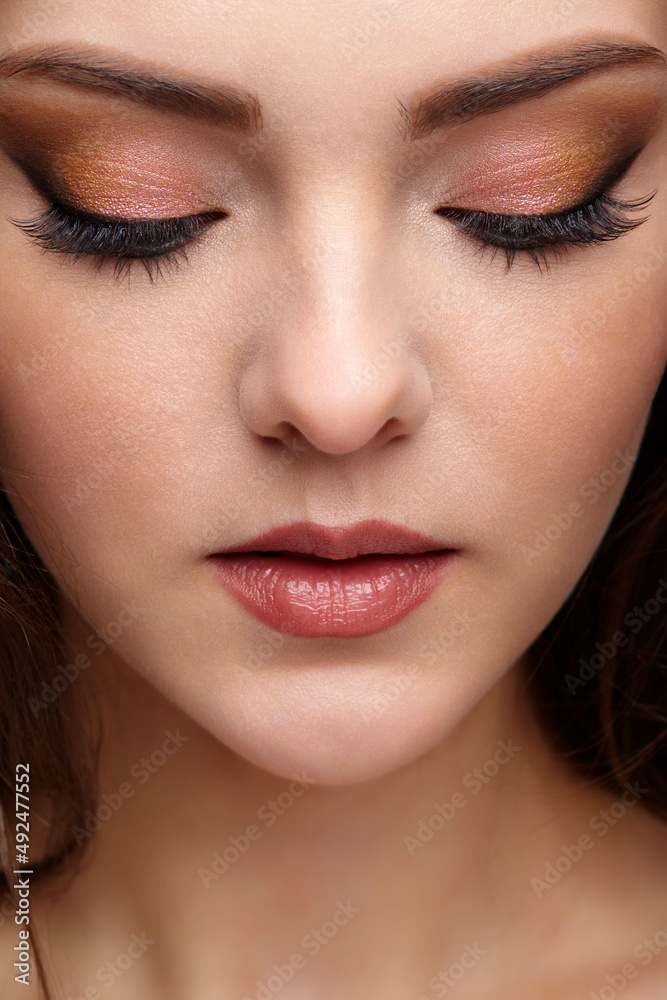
point(153, 242)
point(596, 220)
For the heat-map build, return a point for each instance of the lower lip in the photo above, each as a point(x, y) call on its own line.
point(345, 598)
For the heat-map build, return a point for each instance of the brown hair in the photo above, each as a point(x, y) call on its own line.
point(598, 672)
point(598, 681)
point(47, 735)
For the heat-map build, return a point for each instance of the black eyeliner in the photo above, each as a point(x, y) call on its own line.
point(596, 218)
point(66, 230)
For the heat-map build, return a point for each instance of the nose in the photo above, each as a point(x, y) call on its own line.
point(337, 369)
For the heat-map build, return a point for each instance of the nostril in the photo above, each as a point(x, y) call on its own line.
point(304, 395)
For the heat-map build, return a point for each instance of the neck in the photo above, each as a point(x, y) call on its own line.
point(239, 877)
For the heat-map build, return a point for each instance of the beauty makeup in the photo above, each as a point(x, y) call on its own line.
point(313, 581)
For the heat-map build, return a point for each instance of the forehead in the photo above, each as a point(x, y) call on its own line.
point(330, 77)
point(347, 59)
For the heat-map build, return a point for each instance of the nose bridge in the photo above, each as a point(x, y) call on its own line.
point(334, 362)
point(347, 309)
point(344, 318)
point(341, 216)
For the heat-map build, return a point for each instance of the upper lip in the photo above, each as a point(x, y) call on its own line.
point(371, 537)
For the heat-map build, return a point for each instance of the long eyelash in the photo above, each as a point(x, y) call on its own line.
point(604, 218)
point(153, 242)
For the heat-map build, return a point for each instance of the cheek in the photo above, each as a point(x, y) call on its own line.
point(120, 434)
point(102, 426)
point(554, 396)
point(595, 390)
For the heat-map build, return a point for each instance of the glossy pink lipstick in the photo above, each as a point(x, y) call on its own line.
point(310, 580)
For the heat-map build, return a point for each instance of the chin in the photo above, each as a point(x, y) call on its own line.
point(339, 726)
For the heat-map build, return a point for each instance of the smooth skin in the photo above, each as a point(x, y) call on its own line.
point(334, 351)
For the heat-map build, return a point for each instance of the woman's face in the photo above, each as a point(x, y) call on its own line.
point(337, 348)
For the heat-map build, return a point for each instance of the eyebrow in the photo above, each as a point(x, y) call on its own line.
point(228, 107)
point(531, 77)
point(240, 111)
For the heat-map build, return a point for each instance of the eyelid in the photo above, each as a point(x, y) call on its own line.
point(596, 219)
point(97, 218)
point(614, 173)
point(153, 242)
point(611, 176)
point(56, 191)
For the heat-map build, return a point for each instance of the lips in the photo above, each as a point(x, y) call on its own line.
point(313, 581)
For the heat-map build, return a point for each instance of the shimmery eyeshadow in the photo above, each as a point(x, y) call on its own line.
point(136, 179)
point(105, 158)
point(543, 175)
point(549, 155)
point(127, 165)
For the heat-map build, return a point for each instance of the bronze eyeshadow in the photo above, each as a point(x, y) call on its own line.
point(126, 166)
